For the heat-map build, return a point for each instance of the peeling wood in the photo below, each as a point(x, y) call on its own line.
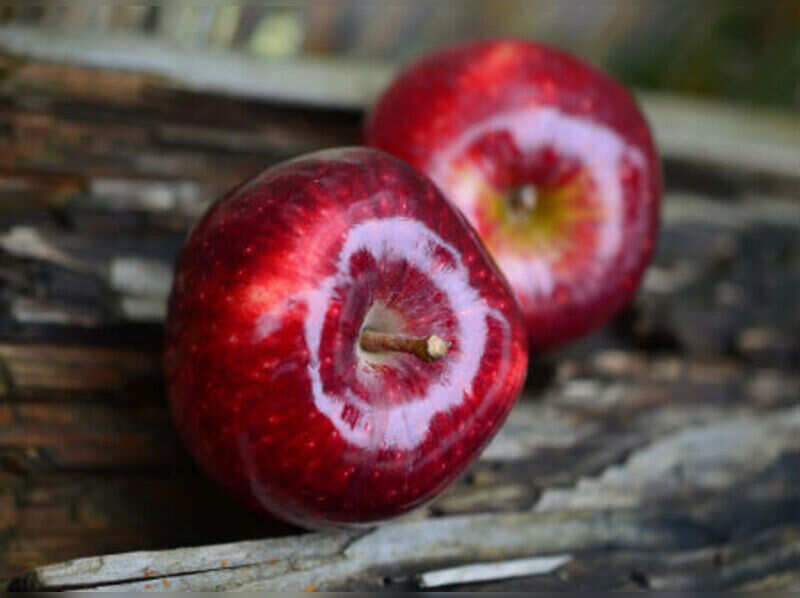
point(318, 82)
point(556, 527)
point(659, 452)
point(492, 571)
point(709, 132)
point(404, 544)
point(149, 565)
point(690, 462)
point(136, 276)
point(27, 242)
point(692, 130)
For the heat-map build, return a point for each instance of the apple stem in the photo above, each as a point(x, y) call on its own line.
point(427, 348)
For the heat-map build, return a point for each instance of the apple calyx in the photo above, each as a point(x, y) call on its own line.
point(427, 348)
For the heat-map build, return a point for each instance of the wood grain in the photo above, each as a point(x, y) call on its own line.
point(702, 132)
point(660, 452)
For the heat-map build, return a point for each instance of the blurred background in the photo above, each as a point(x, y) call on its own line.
point(743, 51)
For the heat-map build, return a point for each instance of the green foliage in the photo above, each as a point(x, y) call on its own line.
point(735, 50)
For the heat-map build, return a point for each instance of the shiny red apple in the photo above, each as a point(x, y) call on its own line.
point(339, 344)
point(550, 160)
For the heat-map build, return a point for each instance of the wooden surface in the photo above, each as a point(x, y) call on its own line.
point(662, 451)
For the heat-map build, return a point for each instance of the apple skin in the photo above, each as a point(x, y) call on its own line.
point(487, 119)
point(267, 382)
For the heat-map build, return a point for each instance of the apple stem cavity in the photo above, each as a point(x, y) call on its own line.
point(522, 199)
point(427, 348)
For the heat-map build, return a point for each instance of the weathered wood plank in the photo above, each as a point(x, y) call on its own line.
point(55, 516)
point(659, 452)
point(691, 462)
point(492, 571)
point(232, 556)
point(89, 436)
point(576, 413)
point(57, 367)
point(702, 131)
point(707, 248)
point(709, 132)
point(561, 440)
point(766, 560)
point(315, 82)
point(408, 545)
point(604, 402)
point(690, 467)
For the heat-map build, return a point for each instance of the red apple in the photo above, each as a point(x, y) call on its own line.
point(339, 344)
point(550, 160)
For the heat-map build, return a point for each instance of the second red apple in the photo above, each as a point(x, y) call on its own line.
point(550, 160)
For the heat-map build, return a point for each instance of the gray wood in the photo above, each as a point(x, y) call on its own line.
point(661, 451)
point(702, 131)
point(688, 464)
point(316, 82)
